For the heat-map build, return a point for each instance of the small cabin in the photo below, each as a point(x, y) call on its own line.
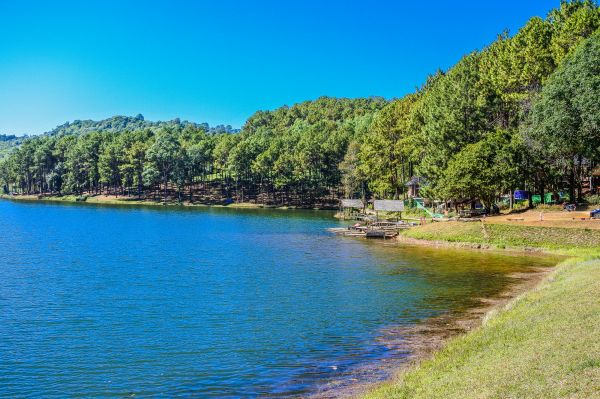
point(414, 186)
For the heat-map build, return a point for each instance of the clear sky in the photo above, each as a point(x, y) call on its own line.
point(219, 61)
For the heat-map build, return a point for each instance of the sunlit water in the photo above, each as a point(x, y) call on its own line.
point(119, 302)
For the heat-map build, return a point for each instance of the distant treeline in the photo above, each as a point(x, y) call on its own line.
point(8, 142)
point(7, 137)
point(523, 113)
point(119, 124)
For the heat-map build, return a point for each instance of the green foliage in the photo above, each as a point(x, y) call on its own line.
point(387, 152)
point(572, 22)
point(593, 199)
point(455, 112)
point(566, 118)
point(8, 143)
point(291, 151)
point(479, 170)
point(118, 124)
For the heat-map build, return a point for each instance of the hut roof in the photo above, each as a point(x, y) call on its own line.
point(415, 180)
point(352, 203)
point(389, 205)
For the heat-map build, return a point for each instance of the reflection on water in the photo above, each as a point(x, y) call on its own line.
point(99, 301)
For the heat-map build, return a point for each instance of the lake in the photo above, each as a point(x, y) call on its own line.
point(211, 302)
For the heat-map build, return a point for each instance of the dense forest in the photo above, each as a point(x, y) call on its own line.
point(522, 113)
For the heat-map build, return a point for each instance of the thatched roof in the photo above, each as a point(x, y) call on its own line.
point(352, 203)
point(389, 205)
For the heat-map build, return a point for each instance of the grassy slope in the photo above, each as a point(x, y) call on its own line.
point(570, 240)
point(545, 346)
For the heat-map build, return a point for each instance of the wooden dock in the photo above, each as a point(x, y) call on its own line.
point(378, 229)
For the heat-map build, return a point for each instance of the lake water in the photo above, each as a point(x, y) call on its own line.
point(151, 302)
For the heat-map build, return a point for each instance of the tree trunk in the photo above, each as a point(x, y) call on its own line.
point(572, 182)
point(579, 179)
point(165, 182)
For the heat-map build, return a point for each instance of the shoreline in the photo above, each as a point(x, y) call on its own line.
point(125, 201)
point(423, 340)
point(573, 241)
point(472, 246)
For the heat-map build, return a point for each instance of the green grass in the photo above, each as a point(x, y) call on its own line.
point(570, 241)
point(546, 345)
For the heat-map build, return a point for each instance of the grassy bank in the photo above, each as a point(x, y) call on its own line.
point(571, 241)
point(544, 346)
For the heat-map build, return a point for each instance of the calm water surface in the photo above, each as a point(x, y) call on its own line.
point(123, 302)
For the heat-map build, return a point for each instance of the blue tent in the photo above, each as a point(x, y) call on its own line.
point(521, 195)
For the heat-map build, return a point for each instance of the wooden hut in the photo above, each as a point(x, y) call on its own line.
point(396, 206)
point(414, 186)
point(351, 208)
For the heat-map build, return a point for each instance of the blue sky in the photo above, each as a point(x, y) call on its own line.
point(219, 61)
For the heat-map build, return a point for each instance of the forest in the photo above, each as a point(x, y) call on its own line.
point(521, 113)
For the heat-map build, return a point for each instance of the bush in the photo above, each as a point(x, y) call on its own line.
point(593, 199)
point(414, 213)
point(81, 198)
point(503, 206)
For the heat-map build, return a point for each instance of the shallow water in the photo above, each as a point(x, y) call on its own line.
point(150, 302)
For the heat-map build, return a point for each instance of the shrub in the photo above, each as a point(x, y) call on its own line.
point(593, 199)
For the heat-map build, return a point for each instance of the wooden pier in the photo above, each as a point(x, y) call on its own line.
point(380, 229)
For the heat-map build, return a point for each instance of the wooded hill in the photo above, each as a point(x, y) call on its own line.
point(521, 113)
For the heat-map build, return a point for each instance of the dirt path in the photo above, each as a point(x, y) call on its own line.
point(579, 219)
